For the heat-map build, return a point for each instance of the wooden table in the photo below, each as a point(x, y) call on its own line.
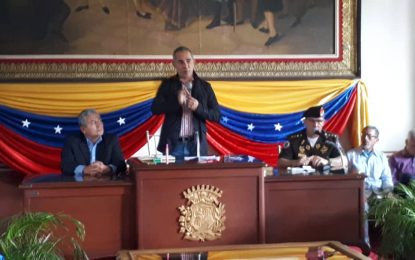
point(315, 208)
point(104, 206)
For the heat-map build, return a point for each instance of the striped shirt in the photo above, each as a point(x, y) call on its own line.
point(186, 128)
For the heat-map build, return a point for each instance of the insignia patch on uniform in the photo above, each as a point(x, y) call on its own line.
point(324, 149)
point(286, 144)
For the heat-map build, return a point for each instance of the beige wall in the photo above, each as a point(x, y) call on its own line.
point(388, 66)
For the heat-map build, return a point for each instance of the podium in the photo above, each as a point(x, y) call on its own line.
point(101, 204)
point(315, 208)
point(160, 193)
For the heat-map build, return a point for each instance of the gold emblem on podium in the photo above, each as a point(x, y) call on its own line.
point(203, 218)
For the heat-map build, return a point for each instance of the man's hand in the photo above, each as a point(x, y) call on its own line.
point(317, 161)
point(185, 99)
point(303, 160)
point(182, 97)
point(192, 103)
point(97, 168)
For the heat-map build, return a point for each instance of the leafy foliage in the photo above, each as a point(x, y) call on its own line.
point(31, 235)
point(395, 214)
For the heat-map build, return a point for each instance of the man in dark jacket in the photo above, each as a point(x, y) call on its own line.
point(91, 152)
point(187, 102)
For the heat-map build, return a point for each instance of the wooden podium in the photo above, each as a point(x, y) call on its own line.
point(315, 208)
point(159, 193)
point(104, 206)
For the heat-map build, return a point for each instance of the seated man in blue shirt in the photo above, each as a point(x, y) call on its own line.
point(91, 152)
point(374, 164)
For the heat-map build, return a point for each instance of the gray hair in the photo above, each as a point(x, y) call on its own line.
point(84, 114)
point(372, 128)
point(180, 49)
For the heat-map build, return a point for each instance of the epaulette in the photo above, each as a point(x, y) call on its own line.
point(296, 136)
point(331, 136)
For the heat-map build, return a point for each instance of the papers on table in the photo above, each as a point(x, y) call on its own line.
point(203, 159)
point(300, 170)
point(157, 159)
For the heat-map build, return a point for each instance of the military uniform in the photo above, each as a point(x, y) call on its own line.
point(298, 145)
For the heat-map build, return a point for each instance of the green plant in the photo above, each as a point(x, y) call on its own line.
point(32, 235)
point(395, 215)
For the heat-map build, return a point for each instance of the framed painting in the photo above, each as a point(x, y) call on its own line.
point(134, 39)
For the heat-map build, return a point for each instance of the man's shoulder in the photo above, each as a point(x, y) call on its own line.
point(170, 79)
point(74, 136)
point(354, 151)
point(296, 136)
point(379, 153)
point(199, 80)
point(109, 137)
point(74, 139)
point(401, 153)
point(331, 136)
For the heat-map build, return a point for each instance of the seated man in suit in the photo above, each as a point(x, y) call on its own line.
point(312, 146)
point(91, 152)
point(402, 163)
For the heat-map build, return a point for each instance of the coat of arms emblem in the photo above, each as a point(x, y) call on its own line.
point(203, 217)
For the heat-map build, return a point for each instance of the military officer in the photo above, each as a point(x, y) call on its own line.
point(312, 146)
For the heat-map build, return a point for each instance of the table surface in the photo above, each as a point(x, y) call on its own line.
point(331, 249)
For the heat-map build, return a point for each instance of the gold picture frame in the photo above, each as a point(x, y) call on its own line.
point(344, 62)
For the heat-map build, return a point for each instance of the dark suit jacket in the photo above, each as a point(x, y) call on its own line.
point(166, 103)
point(75, 152)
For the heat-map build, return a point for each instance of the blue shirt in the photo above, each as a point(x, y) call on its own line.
point(375, 166)
point(79, 170)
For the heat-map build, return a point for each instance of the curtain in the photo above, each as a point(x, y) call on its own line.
point(257, 116)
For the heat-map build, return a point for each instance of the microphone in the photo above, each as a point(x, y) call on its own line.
point(197, 145)
point(148, 142)
point(188, 86)
point(320, 133)
point(326, 140)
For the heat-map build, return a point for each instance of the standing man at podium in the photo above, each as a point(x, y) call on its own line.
point(187, 101)
point(312, 146)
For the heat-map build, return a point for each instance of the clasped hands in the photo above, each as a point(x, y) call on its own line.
point(185, 99)
point(313, 160)
point(96, 169)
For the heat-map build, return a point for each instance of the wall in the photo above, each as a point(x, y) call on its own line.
point(388, 61)
point(388, 66)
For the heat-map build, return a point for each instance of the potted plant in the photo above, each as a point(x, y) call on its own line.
point(32, 235)
point(394, 214)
